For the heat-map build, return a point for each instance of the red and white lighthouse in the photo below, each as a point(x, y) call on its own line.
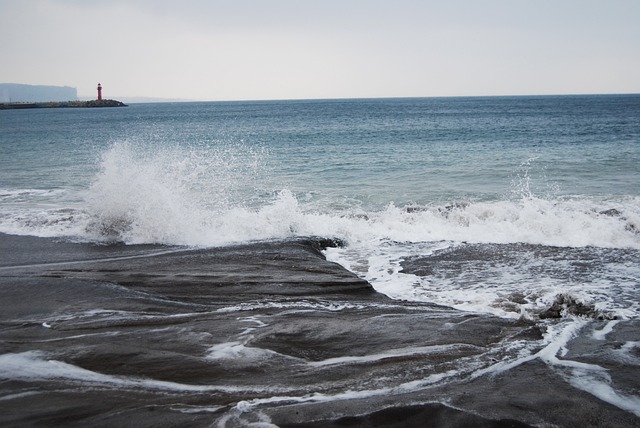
point(99, 92)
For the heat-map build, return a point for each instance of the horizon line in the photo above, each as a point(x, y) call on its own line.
point(186, 100)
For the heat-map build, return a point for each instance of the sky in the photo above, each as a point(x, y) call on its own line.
point(305, 49)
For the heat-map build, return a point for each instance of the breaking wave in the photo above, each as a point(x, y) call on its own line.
point(209, 196)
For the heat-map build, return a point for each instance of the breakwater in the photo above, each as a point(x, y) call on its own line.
point(63, 104)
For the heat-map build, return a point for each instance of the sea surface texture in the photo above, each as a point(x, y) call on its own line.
point(482, 262)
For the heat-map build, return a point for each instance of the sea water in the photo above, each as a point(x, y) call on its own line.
point(534, 197)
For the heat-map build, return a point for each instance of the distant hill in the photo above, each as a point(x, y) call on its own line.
point(18, 93)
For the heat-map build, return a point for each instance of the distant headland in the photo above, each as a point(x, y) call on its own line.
point(18, 96)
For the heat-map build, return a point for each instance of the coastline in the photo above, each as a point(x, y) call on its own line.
point(117, 335)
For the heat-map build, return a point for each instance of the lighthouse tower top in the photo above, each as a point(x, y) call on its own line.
point(99, 91)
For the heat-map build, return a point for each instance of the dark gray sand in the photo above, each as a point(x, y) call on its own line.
point(263, 335)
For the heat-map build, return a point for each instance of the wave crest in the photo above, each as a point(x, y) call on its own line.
point(168, 196)
point(205, 195)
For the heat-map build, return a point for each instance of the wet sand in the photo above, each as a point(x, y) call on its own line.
point(265, 333)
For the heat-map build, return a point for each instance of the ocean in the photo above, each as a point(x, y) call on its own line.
point(524, 208)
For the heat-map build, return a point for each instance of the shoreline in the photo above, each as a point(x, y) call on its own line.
point(117, 335)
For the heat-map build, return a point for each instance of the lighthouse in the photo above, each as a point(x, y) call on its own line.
point(99, 92)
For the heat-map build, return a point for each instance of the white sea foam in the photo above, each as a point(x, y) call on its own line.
point(35, 365)
point(238, 352)
point(604, 331)
point(293, 307)
point(522, 284)
point(21, 195)
point(395, 353)
point(191, 409)
point(215, 195)
point(150, 216)
point(251, 406)
point(604, 391)
point(211, 196)
point(590, 378)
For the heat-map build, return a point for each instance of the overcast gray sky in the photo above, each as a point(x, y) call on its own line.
point(283, 49)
